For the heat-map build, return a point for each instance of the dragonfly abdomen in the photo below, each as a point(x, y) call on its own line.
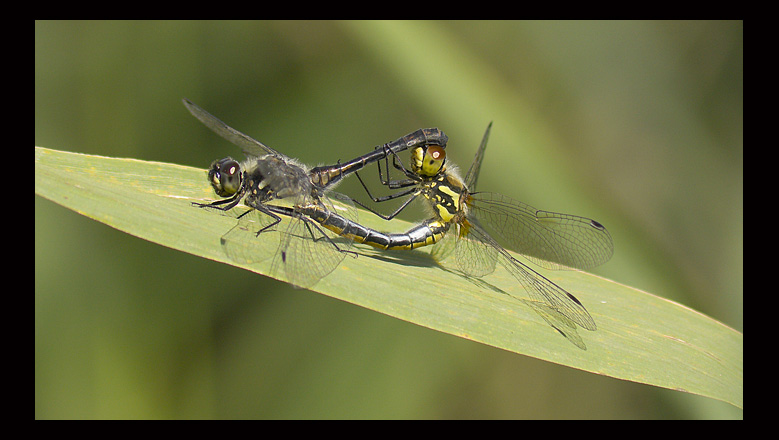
point(424, 234)
point(324, 176)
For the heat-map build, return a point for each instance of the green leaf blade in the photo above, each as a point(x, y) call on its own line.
point(640, 337)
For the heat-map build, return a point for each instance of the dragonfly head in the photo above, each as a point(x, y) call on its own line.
point(428, 160)
point(225, 176)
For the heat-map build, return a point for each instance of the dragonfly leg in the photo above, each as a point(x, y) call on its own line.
point(309, 223)
point(229, 203)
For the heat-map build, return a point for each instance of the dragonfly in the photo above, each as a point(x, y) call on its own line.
point(550, 240)
point(307, 252)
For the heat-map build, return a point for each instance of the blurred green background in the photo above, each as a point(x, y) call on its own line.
point(636, 124)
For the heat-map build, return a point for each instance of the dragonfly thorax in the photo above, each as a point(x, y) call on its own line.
point(444, 193)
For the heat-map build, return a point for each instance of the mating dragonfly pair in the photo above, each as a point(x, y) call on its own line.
point(324, 226)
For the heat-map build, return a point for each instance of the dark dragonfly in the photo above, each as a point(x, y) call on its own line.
point(307, 252)
point(550, 240)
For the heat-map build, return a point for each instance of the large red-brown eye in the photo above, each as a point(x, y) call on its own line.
point(436, 152)
point(433, 161)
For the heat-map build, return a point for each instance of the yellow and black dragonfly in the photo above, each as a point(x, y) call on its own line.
point(469, 220)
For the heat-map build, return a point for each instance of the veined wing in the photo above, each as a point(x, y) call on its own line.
point(301, 248)
point(242, 243)
point(250, 146)
point(471, 256)
point(549, 239)
point(309, 252)
point(473, 172)
point(558, 321)
point(539, 288)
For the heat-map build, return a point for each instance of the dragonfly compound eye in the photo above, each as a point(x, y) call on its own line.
point(433, 161)
point(225, 176)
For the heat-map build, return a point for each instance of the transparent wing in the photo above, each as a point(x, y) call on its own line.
point(475, 256)
point(557, 321)
point(473, 173)
point(539, 288)
point(549, 239)
point(242, 243)
point(465, 253)
point(250, 146)
point(443, 250)
point(307, 251)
